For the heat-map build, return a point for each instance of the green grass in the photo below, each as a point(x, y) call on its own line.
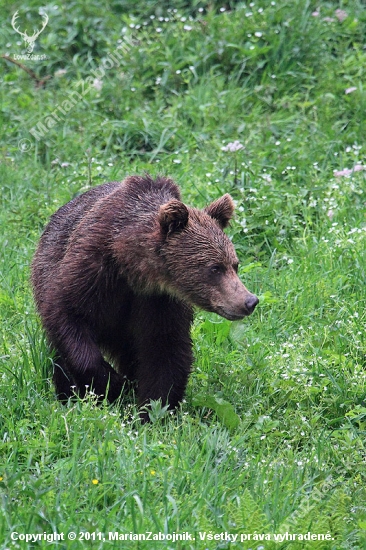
point(271, 436)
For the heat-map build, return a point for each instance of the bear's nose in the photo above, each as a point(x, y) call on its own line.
point(251, 302)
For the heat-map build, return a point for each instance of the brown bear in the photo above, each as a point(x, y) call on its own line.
point(116, 275)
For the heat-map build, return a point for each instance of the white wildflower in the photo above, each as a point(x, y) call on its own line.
point(232, 147)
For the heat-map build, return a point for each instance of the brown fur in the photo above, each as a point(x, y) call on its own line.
point(115, 277)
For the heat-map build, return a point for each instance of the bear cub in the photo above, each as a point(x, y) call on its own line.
point(115, 277)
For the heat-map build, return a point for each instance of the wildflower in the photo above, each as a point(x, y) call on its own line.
point(153, 472)
point(60, 72)
point(348, 171)
point(341, 15)
point(97, 84)
point(315, 13)
point(95, 481)
point(350, 90)
point(232, 147)
point(1, 478)
point(187, 27)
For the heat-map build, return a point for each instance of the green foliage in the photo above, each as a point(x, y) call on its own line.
point(270, 438)
point(223, 409)
point(247, 516)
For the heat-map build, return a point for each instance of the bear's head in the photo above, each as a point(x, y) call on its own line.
point(200, 259)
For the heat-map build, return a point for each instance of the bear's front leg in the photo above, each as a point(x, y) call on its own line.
point(79, 364)
point(161, 330)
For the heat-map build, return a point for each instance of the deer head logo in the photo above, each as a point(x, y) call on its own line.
point(29, 40)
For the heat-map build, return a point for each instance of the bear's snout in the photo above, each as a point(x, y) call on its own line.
point(234, 311)
point(240, 309)
point(250, 303)
point(234, 300)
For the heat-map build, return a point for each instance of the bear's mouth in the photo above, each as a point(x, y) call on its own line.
point(230, 315)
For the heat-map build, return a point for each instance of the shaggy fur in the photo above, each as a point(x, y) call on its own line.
point(115, 277)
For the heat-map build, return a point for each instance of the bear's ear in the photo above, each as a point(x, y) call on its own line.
point(173, 216)
point(221, 210)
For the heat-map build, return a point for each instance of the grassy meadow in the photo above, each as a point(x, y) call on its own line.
point(270, 440)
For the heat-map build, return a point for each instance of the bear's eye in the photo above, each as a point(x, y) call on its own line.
point(236, 267)
point(217, 269)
